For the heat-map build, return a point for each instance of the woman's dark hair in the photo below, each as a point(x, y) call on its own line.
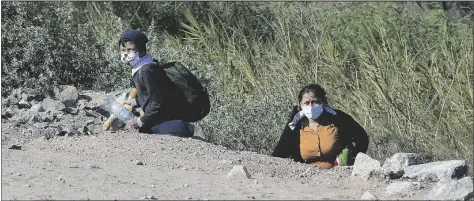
point(317, 90)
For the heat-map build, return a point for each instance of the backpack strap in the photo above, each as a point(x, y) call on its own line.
point(169, 65)
point(134, 71)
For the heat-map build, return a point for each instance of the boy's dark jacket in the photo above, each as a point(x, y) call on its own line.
point(160, 99)
point(289, 144)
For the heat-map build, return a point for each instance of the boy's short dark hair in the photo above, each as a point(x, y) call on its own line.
point(135, 36)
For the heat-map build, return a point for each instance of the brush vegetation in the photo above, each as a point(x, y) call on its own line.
point(403, 72)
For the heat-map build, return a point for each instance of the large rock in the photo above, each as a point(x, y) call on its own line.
point(23, 117)
point(96, 129)
point(4, 101)
point(72, 110)
point(368, 196)
point(48, 132)
point(14, 108)
point(436, 171)
point(34, 118)
point(14, 97)
point(24, 104)
point(84, 130)
point(84, 104)
point(365, 167)
point(39, 97)
point(24, 95)
point(239, 171)
point(67, 95)
point(20, 120)
point(30, 95)
point(93, 98)
point(87, 128)
point(394, 166)
point(92, 113)
point(37, 108)
point(57, 115)
point(45, 117)
point(51, 105)
point(66, 130)
point(41, 125)
point(452, 189)
point(402, 187)
point(7, 113)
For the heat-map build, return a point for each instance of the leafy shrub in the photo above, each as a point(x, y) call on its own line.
point(402, 71)
point(43, 46)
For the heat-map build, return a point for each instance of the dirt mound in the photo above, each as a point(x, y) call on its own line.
point(55, 148)
point(107, 167)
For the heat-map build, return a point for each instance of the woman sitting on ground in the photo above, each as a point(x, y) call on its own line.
point(318, 134)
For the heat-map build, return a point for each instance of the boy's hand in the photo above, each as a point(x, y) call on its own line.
point(134, 123)
point(131, 102)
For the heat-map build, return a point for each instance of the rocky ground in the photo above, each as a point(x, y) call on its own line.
point(55, 148)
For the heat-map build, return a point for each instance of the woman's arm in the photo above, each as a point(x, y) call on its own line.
point(287, 146)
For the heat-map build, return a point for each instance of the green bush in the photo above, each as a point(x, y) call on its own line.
point(43, 46)
point(402, 74)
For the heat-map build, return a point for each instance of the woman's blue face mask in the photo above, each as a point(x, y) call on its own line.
point(313, 112)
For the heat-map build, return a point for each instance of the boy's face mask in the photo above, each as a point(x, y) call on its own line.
point(129, 54)
point(130, 58)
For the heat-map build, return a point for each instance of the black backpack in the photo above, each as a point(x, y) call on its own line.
point(196, 94)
